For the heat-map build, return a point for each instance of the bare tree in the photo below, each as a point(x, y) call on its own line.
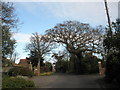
point(40, 45)
point(77, 38)
point(15, 56)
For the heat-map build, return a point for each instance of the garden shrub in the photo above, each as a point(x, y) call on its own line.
point(113, 68)
point(15, 82)
point(89, 64)
point(20, 71)
point(6, 62)
point(61, 66)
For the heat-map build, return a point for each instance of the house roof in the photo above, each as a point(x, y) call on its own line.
point(23, 62)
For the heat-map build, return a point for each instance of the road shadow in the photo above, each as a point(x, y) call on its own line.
point(103, 84)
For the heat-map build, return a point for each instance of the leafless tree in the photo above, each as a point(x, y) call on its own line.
point(40, 45)
point(77, 37)
point(15, 56)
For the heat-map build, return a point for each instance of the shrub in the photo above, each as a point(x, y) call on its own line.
point(113, 68)
point(61, 66)
point(89, 64)
point(46, 68)
point(20, 71)
point(15, 82)
point(6, 63)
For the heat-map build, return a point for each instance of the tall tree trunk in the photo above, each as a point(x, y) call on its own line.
point(76, 62)
point(38, 66)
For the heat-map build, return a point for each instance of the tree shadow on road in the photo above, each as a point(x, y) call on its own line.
point(103, 84)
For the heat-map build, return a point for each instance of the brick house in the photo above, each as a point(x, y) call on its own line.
point(24, 62)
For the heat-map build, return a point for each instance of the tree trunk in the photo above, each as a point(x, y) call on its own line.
point(76, 63)
point(38, 66)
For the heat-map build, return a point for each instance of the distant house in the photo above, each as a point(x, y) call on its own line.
point(24, 62)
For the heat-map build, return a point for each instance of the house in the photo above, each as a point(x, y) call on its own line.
point(24, 62)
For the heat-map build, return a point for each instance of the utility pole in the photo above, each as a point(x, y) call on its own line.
point(108, 17)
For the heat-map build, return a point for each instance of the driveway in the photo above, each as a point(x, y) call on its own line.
point(68, 81)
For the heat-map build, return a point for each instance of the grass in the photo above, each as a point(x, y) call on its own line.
point(46, 74)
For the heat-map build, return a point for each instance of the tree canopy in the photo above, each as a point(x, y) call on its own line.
point(39, 45)
point(9, 21)
point(77, 38)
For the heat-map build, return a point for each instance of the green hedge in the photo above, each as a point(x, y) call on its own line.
point(113, 68)
point(15, 82)
point(89, 64)
point(20, 71)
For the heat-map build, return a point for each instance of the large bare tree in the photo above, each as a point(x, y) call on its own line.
point(77, 38)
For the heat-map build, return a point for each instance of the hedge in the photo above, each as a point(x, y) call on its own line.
point(23, 71)
point(16, 82)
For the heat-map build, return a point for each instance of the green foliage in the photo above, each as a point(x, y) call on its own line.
point(61, 66)
point(113, 53)
point(34, 58)
point(112, 67)
point(4, 75)
point(9, 21)
point(6, 62)
point(89, 64)
point(48, 67)
point(15, 82)
point(46, 73)
point(20, 71)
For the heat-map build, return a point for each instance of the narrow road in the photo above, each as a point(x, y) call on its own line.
point(68, 81)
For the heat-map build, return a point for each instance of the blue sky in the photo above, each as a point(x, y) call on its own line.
point(40, 16)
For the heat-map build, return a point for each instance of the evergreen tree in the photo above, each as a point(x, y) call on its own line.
point(112, 46)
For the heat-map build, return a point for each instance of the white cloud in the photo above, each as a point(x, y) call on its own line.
point(22, 37)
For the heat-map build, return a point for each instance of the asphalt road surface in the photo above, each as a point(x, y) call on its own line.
point(68, 81)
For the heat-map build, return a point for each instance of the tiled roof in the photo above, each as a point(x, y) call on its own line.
point(23, 62)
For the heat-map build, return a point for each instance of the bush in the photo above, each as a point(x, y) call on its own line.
point(6, 63)
point(113, 68)
point(61, 66)
point(14, 82)
point(89, 64)
point(20, 71)
point(47, 67)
